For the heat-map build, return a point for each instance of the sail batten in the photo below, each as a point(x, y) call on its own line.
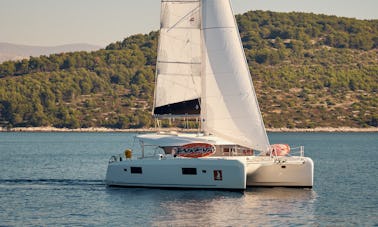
point(177, 62)
point(208, 28)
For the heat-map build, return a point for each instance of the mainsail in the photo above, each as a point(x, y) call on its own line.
point(202, 69)
point(178, 78)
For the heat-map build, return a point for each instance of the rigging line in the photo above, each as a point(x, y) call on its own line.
point(182, 85)
point(190, 12)
point(165, 30)
point(180, 62)
point(172, 37)
point(178, 1)
point(217, 27)
point(178, 75)
point(186, 28)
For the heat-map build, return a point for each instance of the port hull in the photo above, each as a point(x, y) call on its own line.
point(178, 173)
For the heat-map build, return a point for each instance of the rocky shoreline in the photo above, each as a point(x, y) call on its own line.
point(52, 129)
point(323, 129)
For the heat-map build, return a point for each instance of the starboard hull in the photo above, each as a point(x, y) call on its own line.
point(281, 171)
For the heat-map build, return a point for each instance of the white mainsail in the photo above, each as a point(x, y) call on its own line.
point(200, 57)
point(178, 76)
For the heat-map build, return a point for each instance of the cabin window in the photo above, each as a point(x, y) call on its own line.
point(189, 171)
point(137, 170)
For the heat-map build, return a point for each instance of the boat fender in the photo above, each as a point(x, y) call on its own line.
point(280, 149)
point(128, 153)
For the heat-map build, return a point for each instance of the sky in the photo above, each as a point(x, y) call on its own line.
point(101, 22)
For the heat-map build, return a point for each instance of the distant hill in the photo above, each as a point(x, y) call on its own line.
point(308, 71)
point(9, 51)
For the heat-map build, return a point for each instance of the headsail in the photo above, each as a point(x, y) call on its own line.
point(178, 77)
point(229, 104)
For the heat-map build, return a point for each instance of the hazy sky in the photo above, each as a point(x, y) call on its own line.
point(100, 22)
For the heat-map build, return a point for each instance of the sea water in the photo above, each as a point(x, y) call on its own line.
point(56, 179)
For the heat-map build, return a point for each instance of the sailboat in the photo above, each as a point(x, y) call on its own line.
point(202, 73)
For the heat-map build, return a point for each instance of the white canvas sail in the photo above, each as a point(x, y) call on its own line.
point(201, 67)
point(178, 78)
point(229, 104)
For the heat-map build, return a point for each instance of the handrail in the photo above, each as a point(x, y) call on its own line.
point(299, 150)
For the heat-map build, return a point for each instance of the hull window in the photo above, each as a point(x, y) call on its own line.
point(189, 171)
point(137, 170)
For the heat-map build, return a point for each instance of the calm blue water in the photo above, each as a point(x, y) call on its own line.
point(55, 179)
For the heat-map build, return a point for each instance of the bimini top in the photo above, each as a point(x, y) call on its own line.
point(179, 139)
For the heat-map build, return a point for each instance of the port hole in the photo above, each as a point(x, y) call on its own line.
point(189, 171)
point(125, 170)
point(203, 171)
point(283, 167)
point(137, 170)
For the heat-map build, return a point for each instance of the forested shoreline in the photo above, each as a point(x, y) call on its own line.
point(308, 70)
point(178, 130)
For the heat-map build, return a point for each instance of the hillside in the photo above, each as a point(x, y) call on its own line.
point(308, 70)
point(9, 51)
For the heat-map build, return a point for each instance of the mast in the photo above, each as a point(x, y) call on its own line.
point(203, 78)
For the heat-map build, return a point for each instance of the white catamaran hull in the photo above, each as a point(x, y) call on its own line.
point(178, 173)
point(212, 173)
point(202, 72)
point(281, 171)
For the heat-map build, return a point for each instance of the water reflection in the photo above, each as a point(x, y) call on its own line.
point(256, 206)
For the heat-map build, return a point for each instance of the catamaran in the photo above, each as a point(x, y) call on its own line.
point(202, 73)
